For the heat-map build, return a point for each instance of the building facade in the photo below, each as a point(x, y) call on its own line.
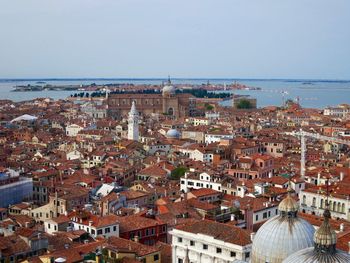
point(209, 241)
point(168, 103)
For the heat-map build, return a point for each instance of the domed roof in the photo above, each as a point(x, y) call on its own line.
point(288, 204)
point(325, 235)
point(168, 89)
point(309, 255)
point(172, 133)
point(282, 235)
point(324, 249)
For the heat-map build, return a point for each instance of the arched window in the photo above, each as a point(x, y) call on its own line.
point(321, 203)
point(334, 206)
point(171, 111)
point(330, 205)
point(314, 201)
point(304, 199)
point(339, 208)
point(343, 208)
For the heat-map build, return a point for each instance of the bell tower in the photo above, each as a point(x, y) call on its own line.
point(133, 123)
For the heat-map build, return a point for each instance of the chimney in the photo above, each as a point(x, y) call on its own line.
point(341, 176)
point(90, 223)
point(270, 174)
point(318, 178)
point(341, 227)
point(232, 217)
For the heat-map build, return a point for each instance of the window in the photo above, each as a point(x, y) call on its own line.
point(205, 246)
point(114, 228)
point(192, 243)
point(264, 215)
point(256, 217)
point(218, 250)
point(179, 239)
point(156, 257)
point(247, 255)
point(93, 231)
point(180, 260)
point(99, 232)
point(233, 254)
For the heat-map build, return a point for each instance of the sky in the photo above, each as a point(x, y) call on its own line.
point(301, 39)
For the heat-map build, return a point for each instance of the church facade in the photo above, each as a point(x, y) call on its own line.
point(168, 103)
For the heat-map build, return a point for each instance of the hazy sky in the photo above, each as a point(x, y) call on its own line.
point(183, 38)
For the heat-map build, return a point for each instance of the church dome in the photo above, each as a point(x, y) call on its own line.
point(324, 249)
point(309, 255)
point(288, 204)
point(172, 133)
point(168, 89)
point(282, 235)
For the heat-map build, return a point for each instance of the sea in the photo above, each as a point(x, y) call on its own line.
point(309, 93)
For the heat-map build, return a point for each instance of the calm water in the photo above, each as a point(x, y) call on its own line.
point(313, 94)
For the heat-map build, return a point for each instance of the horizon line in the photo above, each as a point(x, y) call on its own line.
point(174, 78)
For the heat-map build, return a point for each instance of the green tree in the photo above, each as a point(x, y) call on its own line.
point(244, 104)
point(178, 172)
point(209, 107)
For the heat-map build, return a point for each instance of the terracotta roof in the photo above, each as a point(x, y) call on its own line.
point(133, 194)
point(128, 245)
point(13, 244)
point(135, 222)
point(97, 221)
point(204, 192)
point(224, 232)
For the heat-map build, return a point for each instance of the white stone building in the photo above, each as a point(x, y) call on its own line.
point(72, 130)
point(313, 201)
point(217, 137)
point(95, 225)
point(203, 180)
point(209, 241)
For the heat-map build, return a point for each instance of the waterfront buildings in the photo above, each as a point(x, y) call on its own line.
point(168, 103)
